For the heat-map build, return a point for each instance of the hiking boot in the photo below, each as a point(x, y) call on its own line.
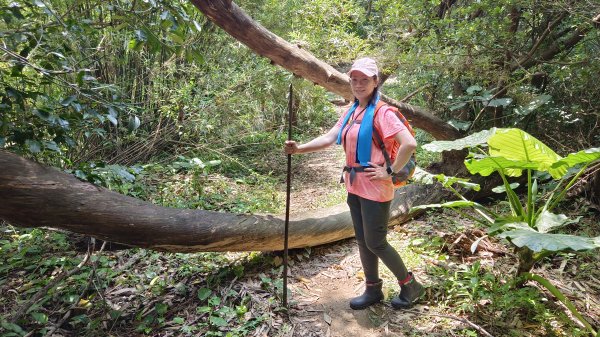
point(372, 295)
point(410, 292)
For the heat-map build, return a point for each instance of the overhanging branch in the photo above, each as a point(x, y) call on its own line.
point(238, 24)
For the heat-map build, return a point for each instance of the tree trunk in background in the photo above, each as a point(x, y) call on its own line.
point(37, 196)
point(227, 15)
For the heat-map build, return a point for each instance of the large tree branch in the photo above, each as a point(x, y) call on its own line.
point(37, 196)
point(227, 15)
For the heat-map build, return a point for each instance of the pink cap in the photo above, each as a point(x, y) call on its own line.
point(365, 65)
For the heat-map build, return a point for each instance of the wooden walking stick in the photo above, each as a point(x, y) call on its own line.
point(287, 200)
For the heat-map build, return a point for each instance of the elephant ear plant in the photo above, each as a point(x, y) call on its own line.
point(530, 224)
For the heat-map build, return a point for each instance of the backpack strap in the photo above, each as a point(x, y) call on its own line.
point(378, 138)
point(406, 171)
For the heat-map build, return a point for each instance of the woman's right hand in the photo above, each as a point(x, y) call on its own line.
point(291, 147)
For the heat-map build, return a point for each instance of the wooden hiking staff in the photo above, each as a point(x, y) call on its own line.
point(287, 200)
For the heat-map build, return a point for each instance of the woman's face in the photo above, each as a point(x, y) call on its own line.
point(362, 85)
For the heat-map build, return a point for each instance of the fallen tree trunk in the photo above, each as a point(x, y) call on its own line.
point(34, 195)
point(227, 15)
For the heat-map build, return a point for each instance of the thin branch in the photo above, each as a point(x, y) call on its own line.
point(409, 96)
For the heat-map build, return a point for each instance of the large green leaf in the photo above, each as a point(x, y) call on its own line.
point(559, 168)
point(518, 145)
point(549, 242)
point(488, 165)
point(547, 221)
point(475, 139)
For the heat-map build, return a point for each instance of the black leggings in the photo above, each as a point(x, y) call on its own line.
point(370, 220)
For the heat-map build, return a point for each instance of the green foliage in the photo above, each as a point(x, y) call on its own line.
point(528, 226)
point(334, 31)
point(475, 289)
point(509, 152)
point(156, 283)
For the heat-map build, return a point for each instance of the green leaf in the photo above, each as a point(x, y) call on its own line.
point(214, 301)
point(51, 145)
point(176, 37)
point(203, 309)
point(547, 221)
point(449, 204)
point(502, 188)
point(475, 139)
point(161, 308)
point(487, 166)
point(67, 101)
point(518, 145)
point(447, 181)
point(12, 327)
point(534, 104)
point(203, 293)
point(559, 168)
point(192, 55)
point(44, 114)
point(33, 145)
point(134, 44)
point(460, 125)
point(457, 106)
point(473, 89)
point(218, 321)
point(133, 123)
point(500, 102)
point(538, 242)
point(112, 119)
point(40, 317)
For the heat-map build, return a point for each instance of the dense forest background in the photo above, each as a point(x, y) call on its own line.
point(153, 100)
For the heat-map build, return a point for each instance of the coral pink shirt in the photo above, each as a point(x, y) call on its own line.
point(388, 124)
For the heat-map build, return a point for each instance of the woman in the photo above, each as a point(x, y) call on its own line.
point(369, 182)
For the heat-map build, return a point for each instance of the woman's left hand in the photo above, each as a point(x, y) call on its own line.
point(377, 172)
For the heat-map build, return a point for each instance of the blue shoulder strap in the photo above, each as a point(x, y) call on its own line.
point(365, 133)
point(350, 111)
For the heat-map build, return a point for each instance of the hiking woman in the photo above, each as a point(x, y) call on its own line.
point(369, 182)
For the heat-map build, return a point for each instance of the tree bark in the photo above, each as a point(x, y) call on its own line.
point(37, 196)
point(227, 15)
